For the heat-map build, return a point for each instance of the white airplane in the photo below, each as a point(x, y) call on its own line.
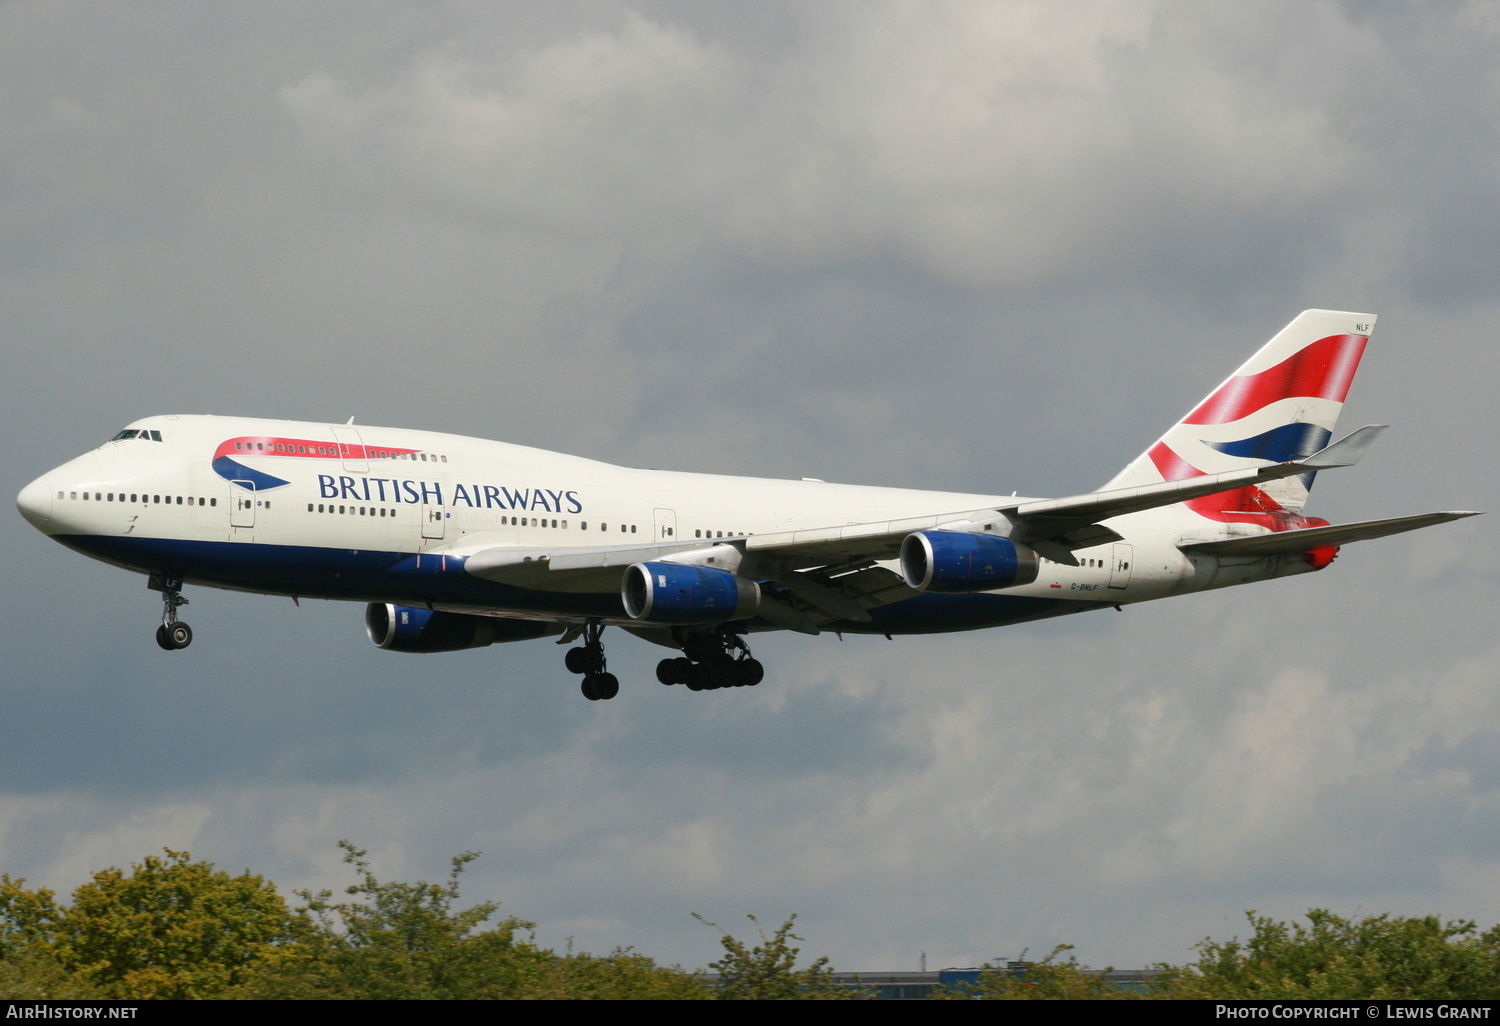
point(460, 542)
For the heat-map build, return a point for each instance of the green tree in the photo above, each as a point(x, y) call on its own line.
point(1374, 958)
point(622, 975)
point(29, 967)
point(768, 971)
point(1051, 979)
point(171, 928)
point(399, 940)
point(27, 918)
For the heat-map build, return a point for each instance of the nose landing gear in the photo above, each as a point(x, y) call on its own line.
point(588, 659)
point(173, 633)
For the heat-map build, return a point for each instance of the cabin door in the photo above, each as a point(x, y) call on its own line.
point(666, 525)
point(351, 449)
point(242, 504)
point(1119, 571)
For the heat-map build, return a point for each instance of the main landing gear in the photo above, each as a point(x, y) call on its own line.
point(588, 659)
point(711, 660)
point(173, 633)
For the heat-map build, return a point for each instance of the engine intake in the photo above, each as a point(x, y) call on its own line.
point(957, 561)
point(679, 593)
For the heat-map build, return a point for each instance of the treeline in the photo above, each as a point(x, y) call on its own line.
point(177, 929)
point(173, 928)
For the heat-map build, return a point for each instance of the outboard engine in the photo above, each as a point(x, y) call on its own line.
point(413, 629)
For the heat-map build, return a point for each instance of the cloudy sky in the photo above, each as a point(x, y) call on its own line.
point(977, 247)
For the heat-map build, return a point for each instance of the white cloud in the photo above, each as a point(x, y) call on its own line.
point(989, 144)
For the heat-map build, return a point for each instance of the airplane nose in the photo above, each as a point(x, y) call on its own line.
point(35, 503)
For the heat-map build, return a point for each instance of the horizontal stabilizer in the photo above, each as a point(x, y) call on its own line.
point(1311, 537)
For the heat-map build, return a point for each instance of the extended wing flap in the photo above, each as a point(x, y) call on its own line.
point(824, 595)
point(875, 586)
point(1310, 537)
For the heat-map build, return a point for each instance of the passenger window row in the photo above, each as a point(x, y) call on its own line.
point(583, 525)
point(535, 522)
point(306, 450)
point(386, 454)
point(333, 450)
point(178, 500)
point(362, 511)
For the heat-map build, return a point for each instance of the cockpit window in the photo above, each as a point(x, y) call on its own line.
point(142, 434)
point(127, 433)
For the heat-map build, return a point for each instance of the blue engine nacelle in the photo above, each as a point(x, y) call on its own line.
point(956, 561)
point(679, 593)
point(410, 629)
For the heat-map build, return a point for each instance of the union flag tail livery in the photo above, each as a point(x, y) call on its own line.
point(1281, 405)
point(457, 542)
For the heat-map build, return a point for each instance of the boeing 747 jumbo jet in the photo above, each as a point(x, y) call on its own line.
point(459, 543)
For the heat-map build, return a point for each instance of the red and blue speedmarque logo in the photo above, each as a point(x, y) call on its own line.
point(227, 457)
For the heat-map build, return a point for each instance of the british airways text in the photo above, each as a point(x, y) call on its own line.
point(386, 489)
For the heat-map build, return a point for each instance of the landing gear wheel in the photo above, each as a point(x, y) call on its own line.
point(723, 674)
point(583, 660)
point(717, 658)
point(675, 671)
point(606, 686)
point(588, 659)
point(172, 634)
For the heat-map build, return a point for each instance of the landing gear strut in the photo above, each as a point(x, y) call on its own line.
point(173, 633)
point(711, 660)
point(588, 659)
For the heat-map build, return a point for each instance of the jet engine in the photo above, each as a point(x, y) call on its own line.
point(679, 593)
point(412, 629)
point(957, 561)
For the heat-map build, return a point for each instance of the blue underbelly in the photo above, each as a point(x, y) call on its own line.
point(366, 575)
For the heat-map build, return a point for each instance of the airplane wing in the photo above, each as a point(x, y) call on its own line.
point(825, 574)
point(1054, 527)
point(1334, 534)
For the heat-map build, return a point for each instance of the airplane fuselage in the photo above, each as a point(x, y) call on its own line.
point(327, 511)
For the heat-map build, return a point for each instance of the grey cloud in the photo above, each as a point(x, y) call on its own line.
point(950, 246)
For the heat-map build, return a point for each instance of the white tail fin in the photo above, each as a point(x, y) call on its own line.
point(1281, 405)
